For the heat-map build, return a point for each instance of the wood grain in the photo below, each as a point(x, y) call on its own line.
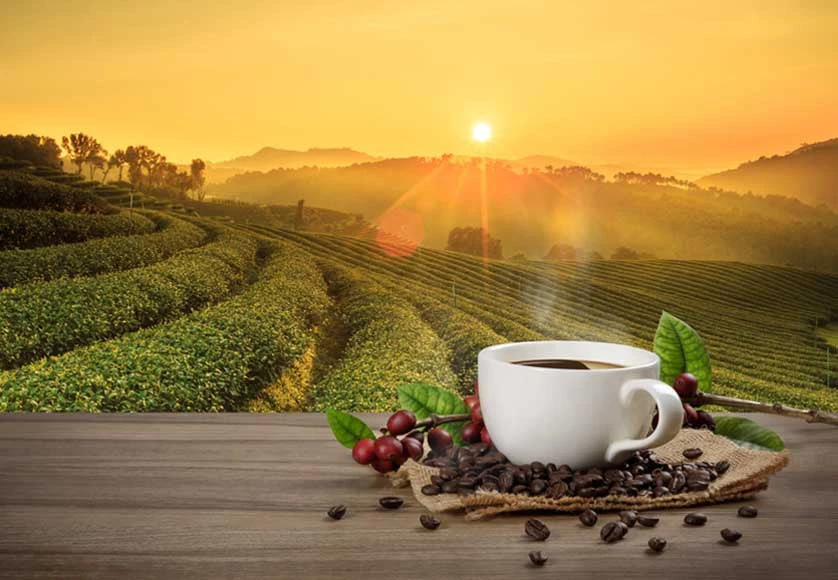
point(245, 496)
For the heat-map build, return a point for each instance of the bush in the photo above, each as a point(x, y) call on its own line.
point(389, 346)
point(98, 256)
point(24, 191)
point(26, 228)
point(212, 360)
point(38, 320)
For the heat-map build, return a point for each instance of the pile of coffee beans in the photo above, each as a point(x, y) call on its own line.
point(480, 467)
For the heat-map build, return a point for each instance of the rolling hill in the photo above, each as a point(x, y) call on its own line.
point(269, 158)
point(809, 173)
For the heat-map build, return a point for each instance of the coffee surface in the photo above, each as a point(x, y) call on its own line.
point(563, 363)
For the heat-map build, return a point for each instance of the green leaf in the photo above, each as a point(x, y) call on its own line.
point(425, 400)
point(681, 350)
point(748, 433)
point(348, 430)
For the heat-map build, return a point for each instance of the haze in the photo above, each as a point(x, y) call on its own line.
point(701, 85)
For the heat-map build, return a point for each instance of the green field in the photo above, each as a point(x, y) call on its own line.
point(167, 310)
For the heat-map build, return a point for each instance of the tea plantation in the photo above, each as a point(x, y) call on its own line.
point(151, 308)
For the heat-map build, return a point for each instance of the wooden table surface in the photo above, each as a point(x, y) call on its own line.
point(245, 496)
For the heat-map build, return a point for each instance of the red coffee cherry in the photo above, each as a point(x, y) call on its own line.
point(401, 422)
point(690, 415)
point(471, 432)
point(439, 439)
point(471, 401)
point(383, 465)
point(412, 449)
point(686, 385)
point(477, 414)
point(485, 437)
point(364, 451)
point(388, 448)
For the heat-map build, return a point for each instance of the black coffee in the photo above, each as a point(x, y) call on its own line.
point(563, 363)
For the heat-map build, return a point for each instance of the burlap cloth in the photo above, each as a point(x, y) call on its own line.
point(748, 474)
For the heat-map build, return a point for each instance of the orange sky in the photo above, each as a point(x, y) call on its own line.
point(680, 84)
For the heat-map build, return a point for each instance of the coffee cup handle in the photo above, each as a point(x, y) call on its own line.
point(670, 417)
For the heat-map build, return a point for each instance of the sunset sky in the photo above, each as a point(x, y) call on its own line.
point(681, 84)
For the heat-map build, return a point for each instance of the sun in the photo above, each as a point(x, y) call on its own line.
point(481, 132)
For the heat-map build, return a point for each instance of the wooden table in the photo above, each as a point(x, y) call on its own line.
point(245, 496)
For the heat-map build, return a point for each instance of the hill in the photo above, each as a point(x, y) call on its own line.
point(809, 173)
point(269, 158)
point(532, 212)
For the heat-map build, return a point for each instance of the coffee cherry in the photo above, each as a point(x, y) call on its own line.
point(477, 414)
point(383, 465)
point(471, 401)
point(364, 451)
point(418, 435)
point(484, 436)
point(476, 388)
point(401, 422)
point(471, 432)
point(690, 415)
point(439, 439)
point(705, 419)
point(412, 449)
point(388, 448)
point(686, 385)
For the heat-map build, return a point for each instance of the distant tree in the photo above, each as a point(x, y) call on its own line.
point(624, 253)
point(519, 257)
point(474, 241)
point(83, 149)
point(198, 180)
point(33, 148)
point(561, 252)
point(117, 160)
point(97, 161)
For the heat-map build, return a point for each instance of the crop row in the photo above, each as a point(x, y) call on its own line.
point(98, 256)
point(389, 345)
point(215, 359)
point(51, 318)
point(23, 191)
point(25, 228)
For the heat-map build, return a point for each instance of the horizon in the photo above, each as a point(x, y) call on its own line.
point(589, 84)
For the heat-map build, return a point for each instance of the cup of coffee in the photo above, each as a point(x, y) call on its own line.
point(583, 404)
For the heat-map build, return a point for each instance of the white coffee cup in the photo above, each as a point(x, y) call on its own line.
point(582, 418)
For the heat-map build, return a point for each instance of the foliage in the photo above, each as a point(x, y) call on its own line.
point(98, 256)
point(212, 360)
point(748, 433)
point(474, 241)
point(42, 319)
point(681, 349)
point(35, 149)
point(426, 400)
point(347, 429)
point(389, 346)
point(23, 191)
point(23, 228)
point(81, 149)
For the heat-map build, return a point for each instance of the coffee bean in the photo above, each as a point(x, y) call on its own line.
point(391, 502)
point(695, 519)
point(613, 531)
point(629, 518)
point(521, 489)
point(337, 512)
point(537, 558)
point(538, 486)
point(506, 482)
point(450, 486)
point(693, 453)
point(747, 511)
point(588, 517)
point(558, 489)
point(731, 536)
point(647, 522)
point(537, 530)
point(429, 522)
point(468, 482)
point(722, 466)
point(697, 485)
point(431, 489)
point(657, 544)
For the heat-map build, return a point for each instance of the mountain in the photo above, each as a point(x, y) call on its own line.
point(268, 158)
point(425, 198)
point(809, 173)
point(542, 161)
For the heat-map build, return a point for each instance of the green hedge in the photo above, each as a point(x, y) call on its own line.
point(389, 345)
point(212, 360)
point(37, 320)
point(98, 256)
point(25, 191)
point(25, 228)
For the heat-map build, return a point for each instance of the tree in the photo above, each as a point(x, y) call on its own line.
point(97, 161)
point(33, 148)
point(624, 253)
point(198, 180)
point(474, 241)
point(117, 160)
point(561, 252)
point(83, 149)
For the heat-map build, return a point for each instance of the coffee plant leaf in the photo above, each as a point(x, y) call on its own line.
point(426, 400)
point(747, 433)
point(681, 349)
point(348, 429)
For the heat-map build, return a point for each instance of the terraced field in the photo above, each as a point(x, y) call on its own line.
point(103, 308)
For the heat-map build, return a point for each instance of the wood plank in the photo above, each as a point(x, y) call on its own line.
point(244, 496)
